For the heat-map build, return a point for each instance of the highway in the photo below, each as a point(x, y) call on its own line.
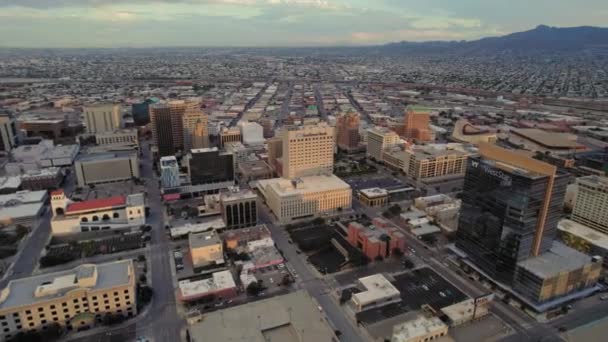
point(317, 287)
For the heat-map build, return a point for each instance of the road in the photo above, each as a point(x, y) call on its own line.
point(358, 107)
point(250, 104)
point(160, 320)
point(317, 287)
point(284, 111)
point(319, 101)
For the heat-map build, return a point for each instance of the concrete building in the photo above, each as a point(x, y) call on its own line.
point(196, 128)
point(43, 179)
point(24, 207)
point(465, 132)
point(537, 140)
point(241, 240)
point(239, 209)
point(206, 249)
point(168, 125)
point(468, 310)
point(293, 317)
point(7, 134)
point(305, 197)
point(47, 128)
point(275, 153)
point(378, 240)
point(347, 128)
point(252, 133)
point(308, 150)
point(74, 299)
point(232, 134)
point(123, 137)
point(417, 124)
point(219, 286)
point(102, 118)
point(380, 139)
point(169, 172)
point(210, 165)
point(46, 154)
point(373, 197)
point(249, 171)
point(112, 213)
point(420, 329)
point(106, 168)
point(583, 239)
point(436, 162)
point(591, 203)
point(376, 292)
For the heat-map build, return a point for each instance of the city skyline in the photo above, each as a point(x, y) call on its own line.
point(269, 23)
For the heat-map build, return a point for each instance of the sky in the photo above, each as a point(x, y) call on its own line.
point(263, 23)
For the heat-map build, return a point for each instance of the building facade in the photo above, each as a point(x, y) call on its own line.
point(591, 203)
point(7, 134)
point(380, 139)
point(125, 137)
point(417, 124)
point(169, 172)
point(196, 130)
point(305, 197)
point(168, 124)
point(43, 179)
point(206, 249)
point(74, 299)
point(210, 165)
point(102, 118)
point(252, 133)
point(106, 168)
point(377, 240)
point(239, 209)
point(429, 163)
point(230, 135)
point(308, 150)
point(347, 127)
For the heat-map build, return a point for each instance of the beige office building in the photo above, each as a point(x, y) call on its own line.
point(106, 168)
point(196, 132)
point(308, 150)
point(232, 134)
point(378, 140)
point(125, 137)
point(206, 249)
point(305, 197)
point(102, 118)
point(591, 203)
point(75, 298)
point(421, 329)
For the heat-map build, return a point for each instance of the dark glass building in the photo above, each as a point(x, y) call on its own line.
point(239, 209)
point(209, 165)
point(510, 208)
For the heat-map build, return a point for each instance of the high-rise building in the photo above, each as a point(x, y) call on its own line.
point(268, 127)
point(510, 207)
point(417, 124)
point(232, 134)
point(102, 118)
point(196, 132)
point(380, 139)
point(209, 165)
point(275, 153)
point(348, 131)
point(7, 133)
point(168, 125)
point(169, 172)
point(591, 203)
point(239, 209)
point(308, 150)
point(252, 133)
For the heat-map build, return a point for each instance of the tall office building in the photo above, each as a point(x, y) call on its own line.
point(196, 132)
point(308, 150)
point(209, 165)
point(380, 139)
point(232, 134)
point(591, 203)
point(417, 124)
point(275, 153)
point(348, 131)
point(169, 172)
point(7, 134)
point(102, 118)
point(239, 209)
point(510, 207)
point(168, 125)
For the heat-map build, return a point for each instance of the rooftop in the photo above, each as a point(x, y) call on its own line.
point(374, 192)
point(548, 139)
point(377, 287)
point(292, 317)
point(593, 181)
point(560, 258)
point(204, 239)
point(592, 236)
point(417, 109)
point(303, 185)
point(419, 327)
point(217, 223)
point(96, 204)
point(26, 291)
point(191, 289)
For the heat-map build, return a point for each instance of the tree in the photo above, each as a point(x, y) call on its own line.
point(144, 294)
point(21, 231)
point(255, 288)
point(287, 280)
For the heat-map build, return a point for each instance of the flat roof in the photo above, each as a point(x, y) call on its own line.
point(560, 258)
point(303, 185)
point(592, 236)
point(426, 229)
point(23, 197)
point(377, 287)
point(293, 317)
point(547, 139)
point(105, 156)
point(204, 239)
point(188, 228)
point(374, 192)
point(217, 282)
point(22, 291)
point(419, 327)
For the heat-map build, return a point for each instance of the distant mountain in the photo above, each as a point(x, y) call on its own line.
point(543, 39)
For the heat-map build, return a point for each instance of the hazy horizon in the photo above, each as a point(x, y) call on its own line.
point(275, 23)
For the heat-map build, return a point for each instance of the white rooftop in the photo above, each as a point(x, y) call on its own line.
point(218, 281)
point(592, 236)
point(198, 227)
point(419, 327)
point(377, 288)
point(303, 185)
point(374, 192)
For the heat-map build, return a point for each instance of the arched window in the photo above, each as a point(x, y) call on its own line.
point(84, 219)
point(59, 211)
point(116, 215)
point(105, 217)
point(95, 218)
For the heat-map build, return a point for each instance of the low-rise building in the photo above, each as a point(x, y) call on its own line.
point(219, 286)
point(46, 154)
point(377, 291)
point(106, 168)
point(420, 329)
point(253, 170)
point(468, 310)
point(24, 207)
point(42, 179)
point(118, 212)
point(230, 135)
point(537, 140)
point(241, 238)
point(169, 172)
point(373, 197)
point(305, 197)
point(376, 240)
point(123, 137)
point(75, 298)
point(191, 228)
point(206, 249)
point(583, 238)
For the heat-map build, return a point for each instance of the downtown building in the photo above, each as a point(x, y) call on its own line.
point(102, 118)
point(591, 203)
point(347, 127)
point(511, 205)
point(169, 172)
point(196, 130)
point(307, 150)
point(167, 121)
point(379, 139)
point(417, 124)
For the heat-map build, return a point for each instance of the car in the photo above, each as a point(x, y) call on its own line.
point(604, 297)
point(289, 241)
point(298, 251)
point(320, 308)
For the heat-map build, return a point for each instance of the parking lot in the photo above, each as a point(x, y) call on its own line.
point(371, 181)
